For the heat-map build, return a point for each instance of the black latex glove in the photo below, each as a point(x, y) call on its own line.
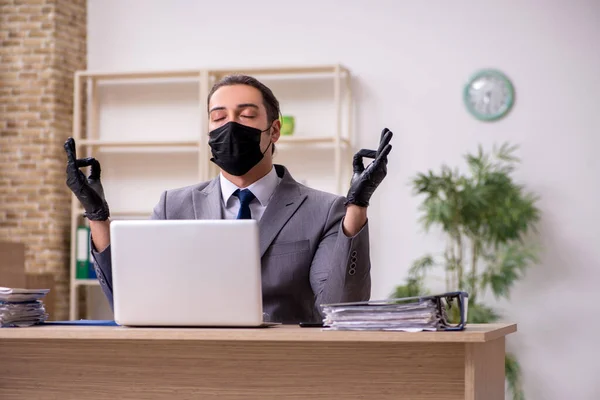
point(365, 180)
point(88, 190)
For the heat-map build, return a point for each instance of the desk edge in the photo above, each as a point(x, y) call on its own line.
point(254, 335)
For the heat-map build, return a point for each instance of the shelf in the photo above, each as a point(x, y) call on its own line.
point(86, 282)
point(116, 146)
point(130, 214)
point(139, 74)
point(119, 146)
point(310, 71)
point(122, 214)
point(113, 132)
point(148, 150)
point(326, 70)
point(123, 143)
point(310, 140)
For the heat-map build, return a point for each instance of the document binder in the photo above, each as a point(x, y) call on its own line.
point(82, 255)
point(411, 314)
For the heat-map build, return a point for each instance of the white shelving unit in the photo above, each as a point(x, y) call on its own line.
point(331, 122)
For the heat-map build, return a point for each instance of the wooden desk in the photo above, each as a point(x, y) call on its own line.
point(286, 362)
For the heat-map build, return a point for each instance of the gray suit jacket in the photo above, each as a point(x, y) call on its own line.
point(307, 260)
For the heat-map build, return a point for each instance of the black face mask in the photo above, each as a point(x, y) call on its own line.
point(236, 147)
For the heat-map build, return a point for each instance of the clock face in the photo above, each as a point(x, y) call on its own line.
point(489, 95)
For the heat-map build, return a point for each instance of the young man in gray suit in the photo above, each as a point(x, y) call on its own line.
point(314, 245)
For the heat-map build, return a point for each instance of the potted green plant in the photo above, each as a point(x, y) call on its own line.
point(486, 219)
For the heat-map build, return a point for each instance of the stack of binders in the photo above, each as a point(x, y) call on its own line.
point(22, 307)
point(411, 314)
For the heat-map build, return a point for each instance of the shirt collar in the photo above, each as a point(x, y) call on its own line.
point(263, 188)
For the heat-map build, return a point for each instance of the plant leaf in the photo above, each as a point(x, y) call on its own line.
point(512, 372)
point(421, 266)
point(413, 287)
point(481, 314)
point(506, 265)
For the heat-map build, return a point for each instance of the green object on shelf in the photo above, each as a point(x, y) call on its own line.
point(287, 125)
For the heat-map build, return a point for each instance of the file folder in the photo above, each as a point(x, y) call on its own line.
point(410, 314)
point(82, 253)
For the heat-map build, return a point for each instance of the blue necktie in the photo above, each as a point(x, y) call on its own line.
point(245, 196)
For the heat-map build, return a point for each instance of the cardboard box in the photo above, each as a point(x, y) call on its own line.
point(12, 265)
point(12, 274)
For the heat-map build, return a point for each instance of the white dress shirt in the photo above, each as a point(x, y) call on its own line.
point(262, 189)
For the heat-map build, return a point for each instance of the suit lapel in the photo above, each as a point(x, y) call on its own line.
point(207, 202)
point(285, 201)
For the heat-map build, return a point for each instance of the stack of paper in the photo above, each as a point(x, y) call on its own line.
point(420, 314)
point(22, 307)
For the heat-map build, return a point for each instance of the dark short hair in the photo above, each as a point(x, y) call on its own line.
point(269, 100)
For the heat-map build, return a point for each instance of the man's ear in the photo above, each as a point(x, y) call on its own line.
point(275, 130)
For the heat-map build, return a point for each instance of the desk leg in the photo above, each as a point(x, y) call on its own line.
point(484, 370)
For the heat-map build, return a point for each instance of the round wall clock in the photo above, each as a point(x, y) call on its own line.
point(489, 95)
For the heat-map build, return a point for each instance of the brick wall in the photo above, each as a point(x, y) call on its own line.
point(42, 43)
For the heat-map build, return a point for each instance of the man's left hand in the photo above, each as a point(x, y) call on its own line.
point(366, 180)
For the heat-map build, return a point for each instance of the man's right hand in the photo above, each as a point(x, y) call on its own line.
point(88, 190)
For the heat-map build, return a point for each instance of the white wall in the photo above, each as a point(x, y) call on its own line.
point(410, 60)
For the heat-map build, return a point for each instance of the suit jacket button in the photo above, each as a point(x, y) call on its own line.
point(352, 271)
point(354, 254)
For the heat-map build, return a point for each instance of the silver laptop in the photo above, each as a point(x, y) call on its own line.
point(186, 273)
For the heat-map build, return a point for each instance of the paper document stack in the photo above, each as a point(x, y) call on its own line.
point(22, 307)
point(413, 314)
